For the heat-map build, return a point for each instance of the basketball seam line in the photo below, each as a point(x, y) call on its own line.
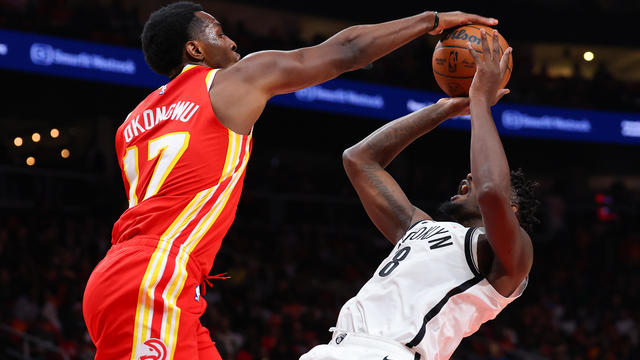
point(453, 77)
point(455, 46)
point(462, 47)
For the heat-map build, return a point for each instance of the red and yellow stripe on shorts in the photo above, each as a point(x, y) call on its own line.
point(199, 216)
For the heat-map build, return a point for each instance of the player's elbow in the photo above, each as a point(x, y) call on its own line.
point(353, 158)
point(353, 56)
point(351, 50)
point(349, 159)
point(346, 58)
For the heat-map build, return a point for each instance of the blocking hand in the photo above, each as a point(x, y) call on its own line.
point(457, 18)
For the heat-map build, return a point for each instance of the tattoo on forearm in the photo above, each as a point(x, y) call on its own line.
point(403, 131)
point(370, 171)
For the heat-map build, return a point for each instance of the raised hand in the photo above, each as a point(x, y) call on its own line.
point(490, 69)
point(456, 18)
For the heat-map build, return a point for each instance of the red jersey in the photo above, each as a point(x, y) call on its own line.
point(183, 172)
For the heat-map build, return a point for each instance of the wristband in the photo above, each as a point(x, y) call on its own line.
point(436, 22)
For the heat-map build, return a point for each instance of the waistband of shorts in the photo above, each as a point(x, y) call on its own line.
point(379, 342)
point(152, 242)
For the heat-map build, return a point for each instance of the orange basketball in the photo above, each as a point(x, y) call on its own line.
point(454, 67)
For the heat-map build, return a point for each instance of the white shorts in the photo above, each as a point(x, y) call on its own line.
point(351, 346)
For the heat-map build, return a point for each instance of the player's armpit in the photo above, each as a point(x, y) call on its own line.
point(383, 199)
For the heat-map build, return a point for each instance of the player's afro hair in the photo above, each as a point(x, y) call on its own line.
point(525, 195)
point(166, 32)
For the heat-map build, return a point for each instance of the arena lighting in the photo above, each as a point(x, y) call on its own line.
point(65, 153)
point(54, 133)
point(17, 141)
point(31, 161)
point(35, 137)
point(588, 56)
point(114, 64)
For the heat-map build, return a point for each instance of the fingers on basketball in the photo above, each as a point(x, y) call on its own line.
point(454, 64)
point(485, 43)
point(495, 46)
point(504, 60)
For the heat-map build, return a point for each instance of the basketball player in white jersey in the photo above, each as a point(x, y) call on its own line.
point(442, 280)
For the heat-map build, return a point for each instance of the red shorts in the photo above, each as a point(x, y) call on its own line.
point(139, 305)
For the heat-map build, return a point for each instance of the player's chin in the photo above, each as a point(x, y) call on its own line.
point(232, 60)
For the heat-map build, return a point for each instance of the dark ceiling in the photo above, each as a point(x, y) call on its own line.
point(586, 22)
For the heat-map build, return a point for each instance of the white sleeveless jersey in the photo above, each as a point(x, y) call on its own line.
point(428, 293)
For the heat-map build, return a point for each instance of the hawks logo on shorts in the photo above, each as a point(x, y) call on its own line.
point(153, 349)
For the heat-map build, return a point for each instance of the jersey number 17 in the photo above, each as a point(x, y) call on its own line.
point(169, 147)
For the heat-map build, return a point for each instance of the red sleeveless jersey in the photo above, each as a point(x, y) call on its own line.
point(183, 172)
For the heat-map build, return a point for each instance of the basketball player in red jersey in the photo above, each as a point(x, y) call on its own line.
point(183, 152)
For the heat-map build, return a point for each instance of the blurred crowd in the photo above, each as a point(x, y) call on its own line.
point(302, 245)
point(117, 22)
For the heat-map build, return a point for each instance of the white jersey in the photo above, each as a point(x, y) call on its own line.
point(428, 293)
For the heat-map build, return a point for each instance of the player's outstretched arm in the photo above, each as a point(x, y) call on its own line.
point(348, 50)
point(240, 92)
point(491, 175)
point(383, 199)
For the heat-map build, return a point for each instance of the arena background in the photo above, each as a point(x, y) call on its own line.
point(301, 244)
